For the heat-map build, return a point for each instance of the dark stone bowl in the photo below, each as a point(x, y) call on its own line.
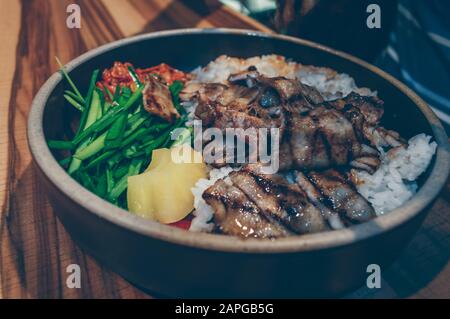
point(174, 262)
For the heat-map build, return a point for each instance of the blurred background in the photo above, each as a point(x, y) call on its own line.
point(413, 43)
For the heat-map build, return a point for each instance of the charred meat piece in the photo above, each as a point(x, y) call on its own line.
point(247, 77)
point(238, 98)
point(381, 137)
point(338, 131)
point(325, 137)
point(286, 88)
point(365, 112)
point(206, 112)
point(311, 94)
point(236, 215)
point(321, 139)
point(370, 107)
point(306, 144)
point(314, 134)
point(278, 91)
point(217, 92)
point(286, 160)
point(289, 89)
point(278, 200)
point(249, 203)
point(366, 163)
point(265, 201)
point(367, 150)
point(343, 198)
point(269, 98)
point(248, 135)
point(228, 106)
point(205, 92)
point(157, 100)
point(230, 118)
point(318, 200)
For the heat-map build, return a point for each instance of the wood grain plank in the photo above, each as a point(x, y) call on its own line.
point(10, 17)
point(130, 16)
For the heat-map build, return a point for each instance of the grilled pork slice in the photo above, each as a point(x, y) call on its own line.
point(196, 91)
point(370, 107)
point(367, 163)
point(343, 198)
point(247, 77)
point(235, 214)
point(381, 137)
point(290, 89)
point(318, 200)
point(249, 203)
point(322, 139)
point(287, 89)
point(339, 135)
point(238, 96)
point(157, 100)
point(314, 134)
point(305, 142)
point(280, 201)
point(365, 112)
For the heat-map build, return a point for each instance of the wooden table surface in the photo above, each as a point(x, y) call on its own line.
point(34, 247)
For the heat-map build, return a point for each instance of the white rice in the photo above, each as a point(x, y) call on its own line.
point(388, 188)
point(330, 84)
point(203, 212)
point(394, 181)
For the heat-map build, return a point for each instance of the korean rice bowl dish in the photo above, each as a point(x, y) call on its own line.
point(337, 166)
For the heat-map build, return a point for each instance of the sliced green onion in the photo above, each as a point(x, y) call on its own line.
point(108, 93)
point(124, 96)
point(121, 186)
point(76, 163)
point(72, 101)
point(116, 132)
point(86, 180)
point(93, 110)
point(135, 136)
point(113, 160)
point(92, 149)
point(130, 152)
point(108, 118)
point(101, 188)
point(116, 94)
point(134, 125)
point(69, 80)
point(84, 116)
point(100, 159)
point(74, 96)
point(109, 180)
point(134, 76)
point(60, 145)
point(121, 171)
point(175, 88)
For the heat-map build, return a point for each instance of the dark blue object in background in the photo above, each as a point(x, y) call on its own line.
point(419, 52)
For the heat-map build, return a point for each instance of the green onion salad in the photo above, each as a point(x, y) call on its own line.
point(115, 136)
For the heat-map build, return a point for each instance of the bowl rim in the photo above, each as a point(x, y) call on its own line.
point(57, 176)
